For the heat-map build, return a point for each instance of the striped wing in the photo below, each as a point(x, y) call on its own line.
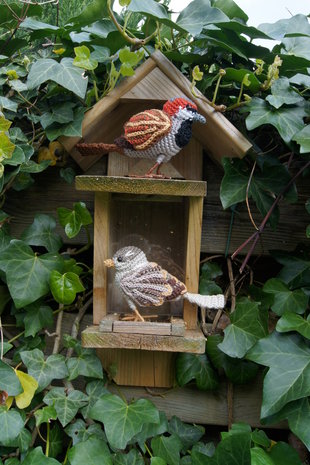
point(145, 128)
point(152, 286)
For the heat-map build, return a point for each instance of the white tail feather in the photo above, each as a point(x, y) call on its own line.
point(206, 301)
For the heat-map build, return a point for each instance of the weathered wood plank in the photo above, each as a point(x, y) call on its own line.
point(142, 327)
point(193, 341)
point(119, 184)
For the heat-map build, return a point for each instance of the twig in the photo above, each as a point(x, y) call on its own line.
point(210, 258)
point(231, 285)
point(58, 330)
point(255, 236)
point(76, 323)
point(247, 196)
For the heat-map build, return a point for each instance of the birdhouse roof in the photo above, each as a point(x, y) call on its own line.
point(154, 82)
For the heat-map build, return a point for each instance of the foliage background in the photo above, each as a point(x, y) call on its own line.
point(56, 62)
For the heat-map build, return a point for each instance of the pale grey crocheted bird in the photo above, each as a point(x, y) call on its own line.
point(153, 134)
point(146, 284)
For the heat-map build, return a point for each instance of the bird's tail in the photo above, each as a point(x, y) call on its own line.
point(206, 301)
point(96, 148)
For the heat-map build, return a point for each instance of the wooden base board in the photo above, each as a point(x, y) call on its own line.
point(139, 367)
point(192, 342)
point(112, 323)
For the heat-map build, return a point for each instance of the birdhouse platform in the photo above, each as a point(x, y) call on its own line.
point(162, 217)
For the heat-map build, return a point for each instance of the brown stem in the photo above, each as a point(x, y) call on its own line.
point(58, 330)
point(255, 236)
point(76, 323)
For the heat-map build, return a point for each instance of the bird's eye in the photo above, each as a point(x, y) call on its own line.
point(120, 259)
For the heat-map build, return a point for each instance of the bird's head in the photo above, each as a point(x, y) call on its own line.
point(127, 259)
point(183, 109)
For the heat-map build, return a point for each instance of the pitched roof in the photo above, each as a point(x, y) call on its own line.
point(154, 82)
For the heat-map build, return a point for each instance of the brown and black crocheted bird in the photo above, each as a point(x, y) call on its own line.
point(147, 284)
point(153, 134)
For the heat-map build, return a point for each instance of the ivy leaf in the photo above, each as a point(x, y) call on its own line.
point(132, 458)
point(9, 381)
point(198, 367)
point(42, 233)
point(36, 457)
point(71, 129)
point(5, 124)
point(283, 93)
point(93, 451)
point(283, 454)
point(37, 317)
point(198, 14)
point(292, 322)
point(200, 451)
point(79, 431)
point(8, 104)
point(168, 448)
point(298, 46)
point(157, 461)
point(86, 364)
point(29, 385)
point(233, 449)
point(11, 424)
point(56, 441)
point(66, 406)
point(150, 430)
point(65, 286)
point(237, 75)
point(129, 60)
point(295, 271)
point(303, 139)
point(260, 457)
point(22, 441)
point(281, 28)
point(287, 120)
point(285, 300)
point(27, 273)
point(234, 182)
point(61, 113)
point(94, 390)
point(73, 220)
point(288, 377)
point(188, 434)
point(64, 73)
point(6, 147)
point(248, 324)
point(211, 270)
point(83, 59)
point(45, 414)
point(122, 421)
point(44, 371)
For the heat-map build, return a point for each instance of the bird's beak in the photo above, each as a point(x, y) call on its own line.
point(109, 263)
point(198, 117)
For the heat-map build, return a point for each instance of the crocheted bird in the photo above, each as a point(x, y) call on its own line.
point(153, 134)
point(146, 284)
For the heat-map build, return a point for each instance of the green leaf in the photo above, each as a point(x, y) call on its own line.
point(22, 441)
point(94, 389)
point(289, 373)
point(287, 120)
point(93, 451)
point(86, 364)
point(248, 324)
point(66, 406)
point(295, 271)
point(42, 233)
point(44, 371)
point(5, 124)
point(237, 75)
point(79, 431)
point(298, 46)
point(188, 434)
point(9, 381)
point(65, 286)
point(198, 14)
point(292, 322)
point(233, 449)
point(197, 367)
point(200, 451)
point(231, 9)
point(37, 317)
point(36, 457)
point(303, 139)
point(68, 174)
point(64, 73)
point(27, 274)
point(279, 29)
point(283, 454)
point(260, 457)
point(83, 59)
point(71, 129)
point(101, 28)
point(132, 458)
point(35, 25)
point(73, 220)
point(260, 438)
point(283, 93)
point(123, 421)
point(130, 58)
point(149, 7)
point(211, 270)
point(11, 424)
point(285, 300)
point(31, 166)
point(56, 441)
point(6, 147)
point(8, 104)
point(234, 182)
point(62, 113)
point(168, 448)
point(157, 461)
point(45, 414)
point(150, 430)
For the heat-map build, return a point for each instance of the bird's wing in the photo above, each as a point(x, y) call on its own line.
point(145, 128)
point(152, 286)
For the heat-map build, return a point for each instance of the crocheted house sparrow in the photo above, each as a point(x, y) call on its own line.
point(146, 284)
point(153, 134)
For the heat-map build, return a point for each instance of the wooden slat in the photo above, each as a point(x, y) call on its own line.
point(193, 257)
point(193, 341)
point(118, 184)
point(142, 327)
point(177, 327)
point(219, 137)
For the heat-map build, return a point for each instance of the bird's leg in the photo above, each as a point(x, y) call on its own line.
point(139, 317)
point(156, 167)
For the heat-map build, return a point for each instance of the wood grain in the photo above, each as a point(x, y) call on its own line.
point(142, 327)
point(193, 341)
point(119, 184)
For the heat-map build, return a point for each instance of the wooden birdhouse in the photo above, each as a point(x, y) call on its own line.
point(163, 217)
